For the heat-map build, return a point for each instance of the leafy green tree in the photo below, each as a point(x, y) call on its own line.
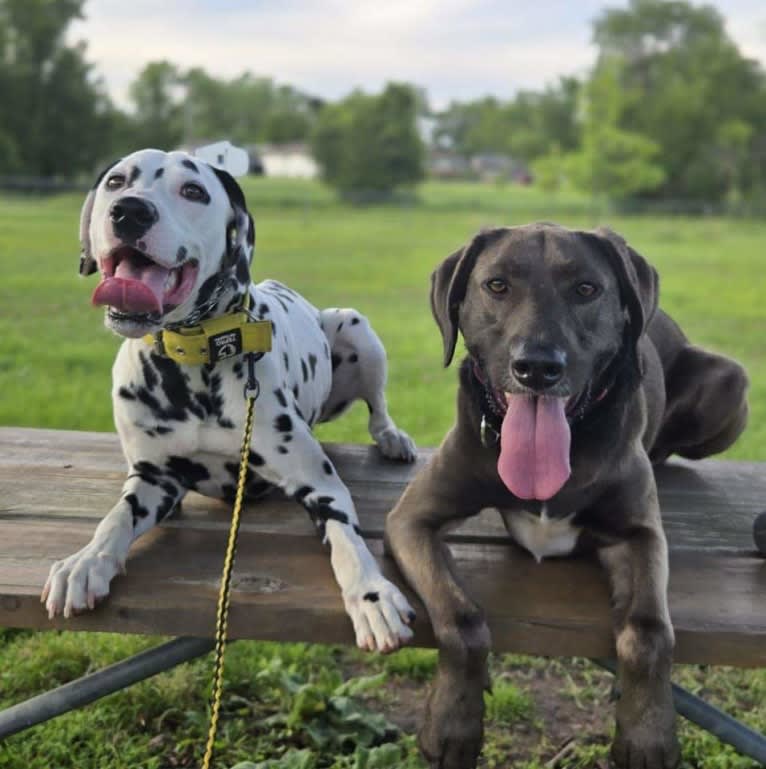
point(686, 87)
point(526, 127)
point(61, 120)
point(611, 161)
point(158, 112)
point(370, 144)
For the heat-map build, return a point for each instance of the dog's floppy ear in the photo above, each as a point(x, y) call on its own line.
point(448, 286)
point(87, 263)
point(240, 229)
point(638, 281)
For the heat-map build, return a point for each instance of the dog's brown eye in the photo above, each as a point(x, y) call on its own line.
point(192, 191)
point(497, 285)
point(115, 181)
point(587, 290)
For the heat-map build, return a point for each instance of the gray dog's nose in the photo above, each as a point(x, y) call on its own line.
point(132, 217)
point(539, 368)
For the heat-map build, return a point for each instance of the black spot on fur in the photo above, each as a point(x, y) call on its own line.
point(286, 360)
point(283, 450)
point(255, 459)
point(187, 472)
point(282, 303)
point(353, 358)
point(159, 172)
point(336, 361)
point(327, 467)
point(176, 390)
point(354, 321)
point(313, 364)
point(340, 407)
point(302, 493)
point(163, 430)
point(181, 254)
point(340, 326)
point(304, 370)
point(273, 328)
point(186, 163)
point(166, 507)
point(283, 423)
point(226, 423)
point(295, 391)
point(287, 438)
point(263, 309)
point(237, 369)
point(206, 290)
point(243, 270)
point(281, 398)
point(137, 510)
point(150, 376)
point(258, 488)
point(372, 597)
point(126, 394)
point(135, 172)
point(232, 468)
point(322, 509)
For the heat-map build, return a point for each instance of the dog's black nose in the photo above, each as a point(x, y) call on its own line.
point(539, 368)
point(132, 217)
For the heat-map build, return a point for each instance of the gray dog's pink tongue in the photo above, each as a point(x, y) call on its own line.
point(534, 446)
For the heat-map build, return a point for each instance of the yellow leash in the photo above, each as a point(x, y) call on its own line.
point(224, 595)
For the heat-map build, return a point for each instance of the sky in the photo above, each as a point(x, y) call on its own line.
point(455, 49)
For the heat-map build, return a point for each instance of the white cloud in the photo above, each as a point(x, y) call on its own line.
point(454, 48)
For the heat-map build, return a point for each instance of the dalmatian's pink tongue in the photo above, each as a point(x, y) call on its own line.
point(145, 287)
point(534, 446)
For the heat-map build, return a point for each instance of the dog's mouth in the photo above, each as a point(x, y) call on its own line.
point(136, 287)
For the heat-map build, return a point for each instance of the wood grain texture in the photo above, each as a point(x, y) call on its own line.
point(55, 486)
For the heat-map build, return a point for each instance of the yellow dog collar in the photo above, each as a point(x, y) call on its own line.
point(213, 340)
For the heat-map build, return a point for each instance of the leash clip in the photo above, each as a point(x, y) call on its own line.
point(252, 386)
point(489, 436)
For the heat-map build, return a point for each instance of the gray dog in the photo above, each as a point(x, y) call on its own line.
point(574, 385)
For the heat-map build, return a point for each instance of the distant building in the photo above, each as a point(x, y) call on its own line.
point(293, 160)
point(491, 166)
point(444, 164)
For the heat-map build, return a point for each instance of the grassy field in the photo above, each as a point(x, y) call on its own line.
point(322, 706)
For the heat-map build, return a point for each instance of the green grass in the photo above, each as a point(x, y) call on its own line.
point(287, 703)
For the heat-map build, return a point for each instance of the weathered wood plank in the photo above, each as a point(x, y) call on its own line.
point(284, 590)
point(54, 486)
point(706, 505)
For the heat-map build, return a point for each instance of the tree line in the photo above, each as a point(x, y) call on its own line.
point(671, 109)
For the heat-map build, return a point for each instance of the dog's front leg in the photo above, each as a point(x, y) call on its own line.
point(452, 732)
point(296, 462)
point(81, 580)
point(638, 574)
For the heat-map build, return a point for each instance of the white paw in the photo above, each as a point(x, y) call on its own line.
point(80, 581)
point(396, 444)
point(381, 616)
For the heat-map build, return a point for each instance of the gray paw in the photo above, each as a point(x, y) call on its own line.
point(453, 729)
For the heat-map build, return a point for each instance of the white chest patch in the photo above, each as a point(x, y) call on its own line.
point(541, 535)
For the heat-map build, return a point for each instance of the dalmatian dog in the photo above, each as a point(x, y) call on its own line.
point(172, 240)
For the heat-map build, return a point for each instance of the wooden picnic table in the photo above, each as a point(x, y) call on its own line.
point(56, 485)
